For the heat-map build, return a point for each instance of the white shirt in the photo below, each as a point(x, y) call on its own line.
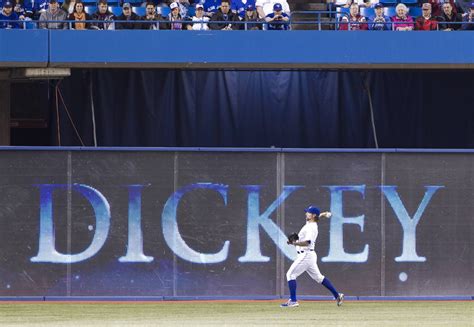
point(309, 232)
point(267, 6)
point(197, 26)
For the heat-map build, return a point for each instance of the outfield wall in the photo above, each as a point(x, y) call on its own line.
point(164, 223)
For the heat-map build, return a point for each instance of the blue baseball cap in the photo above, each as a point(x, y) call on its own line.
point(249, 8)
point(277, 7)
point(313, 210)
point(378, 5)
point(8, 4)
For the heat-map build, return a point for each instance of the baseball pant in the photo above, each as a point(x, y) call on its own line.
point(306, 261)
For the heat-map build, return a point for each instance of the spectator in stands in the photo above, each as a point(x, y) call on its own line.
point(129, 16)
point(79, 16)
point(226, 16)
point(436, 6)
point(104, 15)
point(402, 21)
point(251, 19)
point(278, 20)
point(151, 19)
point(19, 9)
point(463, 6)
point(368, 3)
point(426, 22)
point(36, 7)
point(239, 6)
point(199, 20)
point(265, 7)
point(68, 6)
point(379, 22)
point(468, 20)
point(9, 15)
point(25, 10)
point(355, 21)
point(211, 6)
point(448, 16)
point(54, 13)
point(174, 19)
point(183, 6)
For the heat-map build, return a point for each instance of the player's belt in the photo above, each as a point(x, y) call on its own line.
point(302, 251)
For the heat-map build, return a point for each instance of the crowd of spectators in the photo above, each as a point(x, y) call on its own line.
point(227, 15)
point(207, 14)
point(446, 16)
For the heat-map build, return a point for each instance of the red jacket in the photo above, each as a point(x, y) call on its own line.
point(357, 23)
point(423, 24)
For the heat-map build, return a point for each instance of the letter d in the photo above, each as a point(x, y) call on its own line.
point(47, 249)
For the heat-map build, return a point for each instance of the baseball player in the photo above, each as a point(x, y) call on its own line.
point(306, 259)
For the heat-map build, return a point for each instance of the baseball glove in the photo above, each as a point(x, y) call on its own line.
point(293, 238)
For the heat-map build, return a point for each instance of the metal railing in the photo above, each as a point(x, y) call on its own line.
point(329, 13)
point(160, 22)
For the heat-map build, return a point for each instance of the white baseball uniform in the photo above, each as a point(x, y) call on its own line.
point(306, 259)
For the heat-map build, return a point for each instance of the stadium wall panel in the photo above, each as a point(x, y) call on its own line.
point(196, 224)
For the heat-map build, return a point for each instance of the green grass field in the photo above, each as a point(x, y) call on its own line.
point(245, 313)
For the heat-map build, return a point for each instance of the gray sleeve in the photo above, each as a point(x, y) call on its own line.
point(43, 18)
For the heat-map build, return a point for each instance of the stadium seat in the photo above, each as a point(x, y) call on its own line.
point(367, 12)
point(389, 11)
point(414, 11)
point(164, 11)
point(389, 2)
point(342, 9)
point(140, 11)
point(30, 25)
point(409, 2)
point(117, 11)
point(90, 9)
point(90, 2)
point(191, 11)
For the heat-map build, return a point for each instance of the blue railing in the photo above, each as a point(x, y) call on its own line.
point(68, 24)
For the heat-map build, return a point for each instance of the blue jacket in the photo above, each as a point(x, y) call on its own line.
point(380, 24)
point(468, 24)
point(211, 5)
point(238, 6)
point(11, 18)
point(34, 6)
point(278, 25)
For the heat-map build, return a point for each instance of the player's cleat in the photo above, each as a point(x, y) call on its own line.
point(340, 299)
point(290, 304)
